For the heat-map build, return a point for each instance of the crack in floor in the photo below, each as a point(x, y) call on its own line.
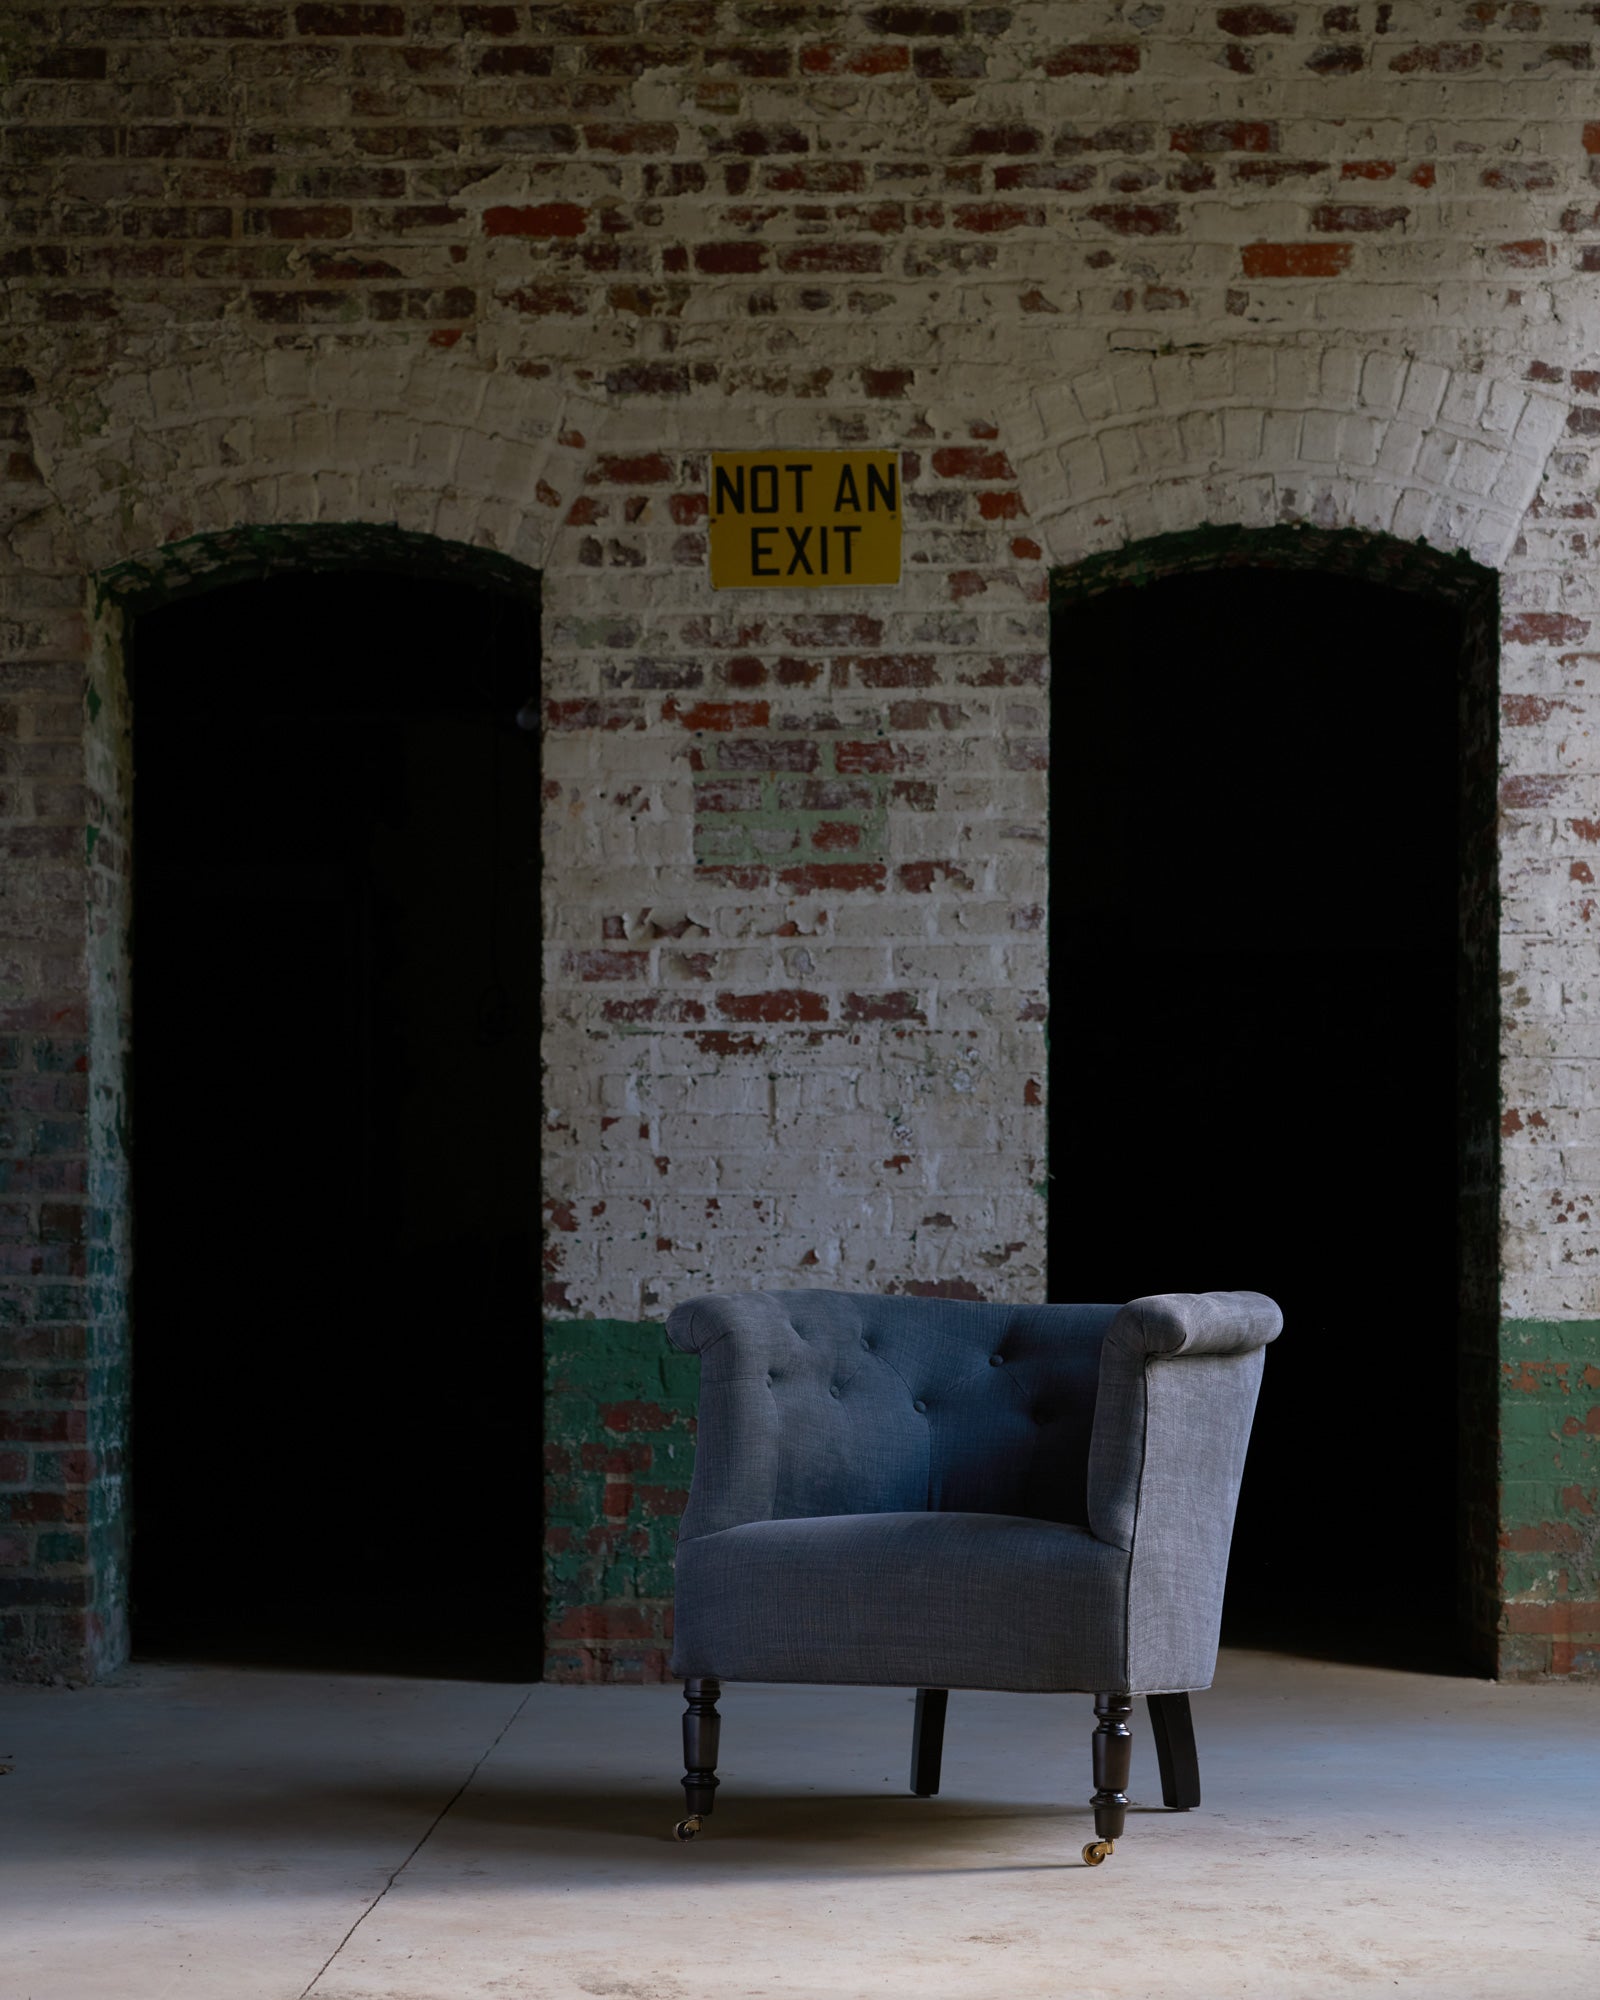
point(422, 1841)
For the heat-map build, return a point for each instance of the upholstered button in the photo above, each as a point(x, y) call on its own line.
point(919, 1404)
point(834, 1390)
point(997, 1361)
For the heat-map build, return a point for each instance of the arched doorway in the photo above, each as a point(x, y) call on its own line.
point(1272, 1037)
point(336, 1427)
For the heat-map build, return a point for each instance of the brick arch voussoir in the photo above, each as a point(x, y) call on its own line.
point(1263, 438)
point(425, 446)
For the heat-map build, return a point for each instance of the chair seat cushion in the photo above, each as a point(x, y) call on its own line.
point(904, 1600)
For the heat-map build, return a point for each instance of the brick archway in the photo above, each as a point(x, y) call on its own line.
point(1473, 589)
point(485, 459)
point(79, 1628)
point(1160, 444)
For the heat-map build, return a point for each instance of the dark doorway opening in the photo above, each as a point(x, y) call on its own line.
point(337, 1423)
point(1256, 869)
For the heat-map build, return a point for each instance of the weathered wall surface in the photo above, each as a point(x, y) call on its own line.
point(506, 274)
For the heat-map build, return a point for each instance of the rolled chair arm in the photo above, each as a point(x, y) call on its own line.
point(1195, 1323)
point(1179, 1374)
point(736, 1443)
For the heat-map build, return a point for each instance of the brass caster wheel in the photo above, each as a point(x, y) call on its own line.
point(686, 1829)
point(1096, 1852)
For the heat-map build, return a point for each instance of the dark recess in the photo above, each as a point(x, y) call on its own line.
point(337, 1414)
point(1254, 866)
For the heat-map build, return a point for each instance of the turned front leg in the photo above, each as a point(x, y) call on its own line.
point(702, 1730)
point(1113, 1759)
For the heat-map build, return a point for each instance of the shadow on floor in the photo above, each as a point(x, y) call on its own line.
point(1401, 1645)
point(525, 1823)
point(464, 1651)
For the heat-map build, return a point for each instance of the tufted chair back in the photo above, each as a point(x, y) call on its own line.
point(815, 1402)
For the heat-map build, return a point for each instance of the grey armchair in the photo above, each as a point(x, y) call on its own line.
point(932, 1494)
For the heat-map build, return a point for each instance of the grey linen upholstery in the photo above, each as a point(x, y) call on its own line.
point(927, 1492)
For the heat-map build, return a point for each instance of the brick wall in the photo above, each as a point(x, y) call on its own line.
point(504, 275)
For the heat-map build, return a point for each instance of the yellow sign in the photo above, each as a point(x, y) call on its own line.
point(804, 520)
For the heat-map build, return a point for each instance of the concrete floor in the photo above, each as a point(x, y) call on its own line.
point(236, 1835)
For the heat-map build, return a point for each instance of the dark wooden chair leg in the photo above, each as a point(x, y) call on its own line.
point(1113, 1758)
point(927, 1740)
point(702, 1730)
point(1172, 1726)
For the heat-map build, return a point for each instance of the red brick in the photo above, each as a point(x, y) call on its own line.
point(646, 469)
point(1002, 139)
point(756, 753)
point(971, 462)
point(730, 259)
point(915, 20)
point(339, 20)
point(583, 713)
point(893, 670)
point(816, 177)
point(724, 1042)
point(25, 1426)
point(1249, 23)
point(516, 61)
point(786, 1004)
point(1137, 219)
point(815, 876)
point(919, 877)
point(1439, 59)
point(176, 142)
point(1093, 59)
point(992, 218)
point(1544, 628)
point(750, 60)
point(545, 219)
point(1573, 1616)
point(596, 965)
point(717, 715)
point(864, 1007)
point(1295, 260)
point(834, 59)
point(1225, 135)
point(836, 836)
point(850, 259)
point(938, 1288)
point(758, 141)
point(875, 758)
point(538, 300)
point(658, 137)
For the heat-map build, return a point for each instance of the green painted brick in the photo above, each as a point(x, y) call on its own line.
point(1545, 1456)
point(1541, 1499)
point(1550, 1574)
point(617, 1361)
point(615, 1387)
point(1553, 1339)
point(1549, 1478)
